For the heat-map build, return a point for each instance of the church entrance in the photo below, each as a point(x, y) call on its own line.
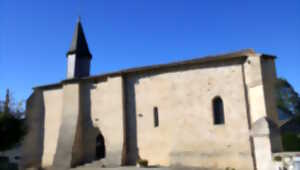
point(100, 147)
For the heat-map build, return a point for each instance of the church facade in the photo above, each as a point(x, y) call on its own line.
point(210, 112)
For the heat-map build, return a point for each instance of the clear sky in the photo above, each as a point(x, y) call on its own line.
point(36, 34)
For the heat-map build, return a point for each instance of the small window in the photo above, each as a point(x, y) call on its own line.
point(155, 115)
point(218, 111)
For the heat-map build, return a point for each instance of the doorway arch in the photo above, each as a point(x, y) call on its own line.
point(100, 147)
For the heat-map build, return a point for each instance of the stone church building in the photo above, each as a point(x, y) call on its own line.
point(209, 112)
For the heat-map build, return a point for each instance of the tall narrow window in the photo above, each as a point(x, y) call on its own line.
point(155, 115)
point(218, 111)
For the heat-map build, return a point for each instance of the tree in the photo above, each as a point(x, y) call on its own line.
point(7, 102)
point(287, 98)
point(12, 129)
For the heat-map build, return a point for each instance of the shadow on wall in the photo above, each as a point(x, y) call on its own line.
point(34, 140)
point(130, 149)
point(89, 142)
point(77, 135)
point(265, 127)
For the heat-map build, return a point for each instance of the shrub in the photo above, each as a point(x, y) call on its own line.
point(290, 141)
point(12, 131)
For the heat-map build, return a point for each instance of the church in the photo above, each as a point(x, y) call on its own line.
point(212, 112)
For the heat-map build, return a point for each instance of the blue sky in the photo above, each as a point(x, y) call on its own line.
point(35, 35)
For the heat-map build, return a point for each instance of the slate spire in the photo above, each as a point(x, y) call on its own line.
point(78, 56)
point(79, 46)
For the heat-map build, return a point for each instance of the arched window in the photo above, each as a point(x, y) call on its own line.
point(218, 110)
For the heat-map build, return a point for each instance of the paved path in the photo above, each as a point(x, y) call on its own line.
point(135, 168)
point(118, 168)
point(98, 165)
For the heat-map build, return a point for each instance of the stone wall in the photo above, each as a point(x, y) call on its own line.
point(186, 135)
point(64, 122)
point(269, 80)
point(53, 110)
point(32, 145)
point(260, 77)
point(76, 143)
point(107, 115)
point(65, 155)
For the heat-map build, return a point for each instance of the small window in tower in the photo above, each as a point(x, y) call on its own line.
point(155, 115)
point(218, 111)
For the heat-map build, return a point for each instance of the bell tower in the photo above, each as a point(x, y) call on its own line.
point(78, 56)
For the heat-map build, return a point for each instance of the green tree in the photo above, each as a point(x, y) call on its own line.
point(287, 98)
point(12, 129)
point(7, 102)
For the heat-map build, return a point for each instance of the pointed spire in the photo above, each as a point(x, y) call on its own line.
point(79, 45)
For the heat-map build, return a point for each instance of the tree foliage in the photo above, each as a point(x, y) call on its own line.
point(288, 99)
point(12, 129)
point(290, 141)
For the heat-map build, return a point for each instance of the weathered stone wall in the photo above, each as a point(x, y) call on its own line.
point(76, 144)
point(269, 78)
point(32, 146)
point(186, 135)
point(260, 77)
point(269, 81)
point(64, 122)
point(107, 115)
point(130, 149)
point(68, 152)
point(86, 130)
point(53, 109)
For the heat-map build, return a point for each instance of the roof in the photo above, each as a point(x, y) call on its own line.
point(243, 54)
point(79, 44)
